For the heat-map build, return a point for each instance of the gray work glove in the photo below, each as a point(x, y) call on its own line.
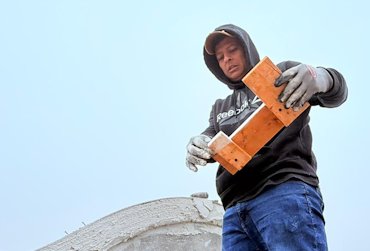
point(198, 152)
point(304, 81)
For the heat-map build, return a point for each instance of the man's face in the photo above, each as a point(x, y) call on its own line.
point(231, 58)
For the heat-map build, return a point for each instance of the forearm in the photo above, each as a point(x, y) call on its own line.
point(336, 92)
point(325, 78)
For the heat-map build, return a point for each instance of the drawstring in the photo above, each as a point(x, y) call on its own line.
point(237, 98)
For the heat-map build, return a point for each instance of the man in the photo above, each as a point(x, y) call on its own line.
point(274, 202)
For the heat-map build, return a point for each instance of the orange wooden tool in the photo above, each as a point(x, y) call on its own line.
point(235, 151)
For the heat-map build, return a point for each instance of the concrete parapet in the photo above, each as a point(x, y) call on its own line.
point(164, 224)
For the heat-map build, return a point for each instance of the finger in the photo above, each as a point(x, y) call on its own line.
point(298, 105)
point(286, 76)
point(306, 97)
point(292, 85)
point(201, 142)
point(296, 96)
point(198, 152)
point(191, 166)
point(289, 90)
point(207, 149)
point(195, 160)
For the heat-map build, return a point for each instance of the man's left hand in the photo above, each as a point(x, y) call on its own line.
point(303, 82)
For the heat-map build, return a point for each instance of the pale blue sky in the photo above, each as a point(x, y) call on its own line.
point(98, 100)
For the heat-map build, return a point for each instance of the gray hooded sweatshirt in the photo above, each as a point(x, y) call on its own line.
point(286, 156)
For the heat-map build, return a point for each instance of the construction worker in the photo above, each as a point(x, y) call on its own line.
point(274, 202)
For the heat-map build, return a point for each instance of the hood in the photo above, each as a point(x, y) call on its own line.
point(250, 51)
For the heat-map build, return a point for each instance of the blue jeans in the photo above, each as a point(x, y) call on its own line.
point(285, 217)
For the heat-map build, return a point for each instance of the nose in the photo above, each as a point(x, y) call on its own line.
point(227, 58)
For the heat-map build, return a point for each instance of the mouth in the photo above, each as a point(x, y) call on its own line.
point(232, 68)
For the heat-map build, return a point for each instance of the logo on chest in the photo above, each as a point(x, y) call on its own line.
point(232, 112)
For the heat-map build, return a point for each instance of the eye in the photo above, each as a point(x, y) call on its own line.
point(232, 48)
point(219, 57)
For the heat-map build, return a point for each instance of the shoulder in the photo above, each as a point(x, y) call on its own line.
point(221, 101)
point(224, 103)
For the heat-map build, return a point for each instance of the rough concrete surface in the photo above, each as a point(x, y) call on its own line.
point(164, 224)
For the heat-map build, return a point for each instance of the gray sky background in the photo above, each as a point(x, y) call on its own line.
point(98, 100)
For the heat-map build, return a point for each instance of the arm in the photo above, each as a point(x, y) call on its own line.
point(211, 131)
point(198, 152)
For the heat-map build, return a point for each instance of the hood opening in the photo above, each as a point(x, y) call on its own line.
point(250, 51)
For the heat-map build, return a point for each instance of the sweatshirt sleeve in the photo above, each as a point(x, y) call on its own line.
point(336, 95)
point(210, 131)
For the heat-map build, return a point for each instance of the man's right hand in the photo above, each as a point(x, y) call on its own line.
point(198, 152)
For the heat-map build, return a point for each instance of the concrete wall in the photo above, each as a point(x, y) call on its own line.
point(164, 224)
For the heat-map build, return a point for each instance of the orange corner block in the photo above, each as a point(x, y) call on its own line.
point(228, 154)
point(261, 81)
point(234, 152)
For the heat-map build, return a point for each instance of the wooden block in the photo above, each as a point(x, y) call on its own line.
point(261, 81)
point(257, 130)
point(228, 154)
